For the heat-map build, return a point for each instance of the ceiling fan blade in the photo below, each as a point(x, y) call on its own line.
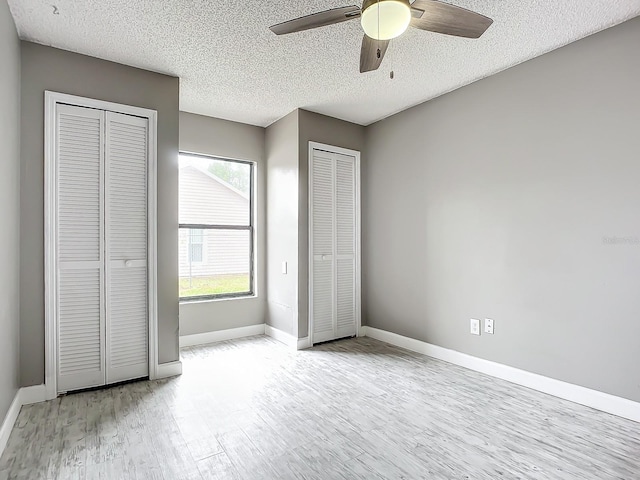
point(315, 20)
point(369, 58)
point(448, 19)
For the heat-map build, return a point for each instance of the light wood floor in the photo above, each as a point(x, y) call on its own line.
point(252, 409)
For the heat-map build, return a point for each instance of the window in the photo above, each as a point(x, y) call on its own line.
point(196, 242)
point(216, 227)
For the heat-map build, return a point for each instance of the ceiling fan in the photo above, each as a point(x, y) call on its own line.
point(383, 20)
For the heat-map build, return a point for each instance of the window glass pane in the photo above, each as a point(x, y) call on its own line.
point(196, 240)
point(214, 192)
point(219, 265)
point(196, 235)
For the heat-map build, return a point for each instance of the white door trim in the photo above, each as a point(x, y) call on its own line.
point(50, 221)
point(356, 154)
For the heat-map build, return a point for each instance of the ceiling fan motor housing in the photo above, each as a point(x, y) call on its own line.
point(385, 19)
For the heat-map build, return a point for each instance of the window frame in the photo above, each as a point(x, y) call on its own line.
point(250, 228)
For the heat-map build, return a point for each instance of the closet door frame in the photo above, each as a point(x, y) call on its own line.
point(52, 99)
point(358, 280)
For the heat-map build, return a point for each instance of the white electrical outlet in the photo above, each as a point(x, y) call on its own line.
point(475, 326)
point(488, 326)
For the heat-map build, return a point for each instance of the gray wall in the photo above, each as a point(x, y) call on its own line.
point(46, 68)
point(497, 201)
point(9, 210)
point(282, 223)
point(212, 136)
point(314, 127)
point(287, 146)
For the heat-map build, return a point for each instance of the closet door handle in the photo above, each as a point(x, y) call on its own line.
point(127, 263)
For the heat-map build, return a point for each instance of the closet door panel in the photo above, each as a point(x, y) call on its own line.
point(128, 355)
point(80, 353)
point(322, 192)
point(323, 204)
point(79, 247)
point(127, 237)
point(322, 301)
point(345, 205)
point(345, 298)
point(345, 219)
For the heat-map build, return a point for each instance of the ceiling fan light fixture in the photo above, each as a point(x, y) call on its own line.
point(385, 19)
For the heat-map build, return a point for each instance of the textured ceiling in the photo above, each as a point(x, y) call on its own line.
point(231, 66)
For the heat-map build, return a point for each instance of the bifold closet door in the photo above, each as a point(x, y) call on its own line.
point(345, 245)
point(322, 206)
point(333, 255)
point(79, 238)
point(127, 323)
point(101, 244)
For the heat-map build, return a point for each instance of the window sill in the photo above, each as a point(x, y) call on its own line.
point(186, 301)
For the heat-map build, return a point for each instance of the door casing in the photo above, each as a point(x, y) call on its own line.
point(50, 233)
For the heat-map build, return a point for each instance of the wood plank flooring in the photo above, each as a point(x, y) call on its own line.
point(354, 409)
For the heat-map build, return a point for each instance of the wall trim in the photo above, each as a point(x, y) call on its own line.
point(304, 343)
point(9, 421)
point(33, 394)
point(221, 335)
point(169, 369)
point(286, 338)
point(24, 396)
point(283, 337)
point(605, 402)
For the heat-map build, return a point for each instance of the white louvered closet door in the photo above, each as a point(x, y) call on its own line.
point(333, 302)
point(126, 233)
point(79, 246)
point(345, 227)
point(322, 198)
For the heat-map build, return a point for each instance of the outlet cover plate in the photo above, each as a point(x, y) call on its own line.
point(475, 326)
point(488, 326)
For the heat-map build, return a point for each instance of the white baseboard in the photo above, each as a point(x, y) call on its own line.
point(605, 402)
point(221, 335)
point(170, 369)
point(33, 394)
point(286, 338)
point(304, 343)
point(24, 396)
point(283, 337)
point(9, 420)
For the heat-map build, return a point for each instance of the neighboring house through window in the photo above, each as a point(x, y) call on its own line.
point(196, 244)
point(216, 227)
